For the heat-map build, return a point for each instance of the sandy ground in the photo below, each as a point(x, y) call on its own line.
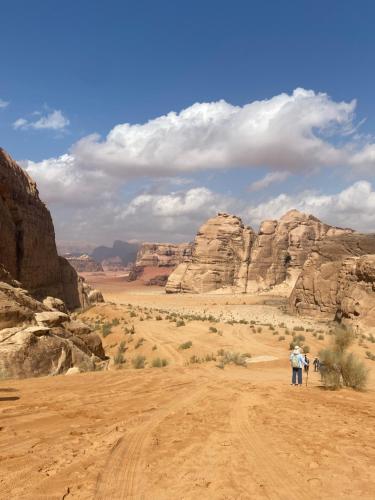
point(188, 430)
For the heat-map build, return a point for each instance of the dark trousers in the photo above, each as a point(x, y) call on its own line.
point(297, 373)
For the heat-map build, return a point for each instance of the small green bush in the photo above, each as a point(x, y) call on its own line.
point(186, 345)
point(115, 321)
point(106, 329)
point(159, 363)
point(139, 362)
point(306, 349)
point(369, 355)
point(139, 343)
point(212, 329)
point(180, 322)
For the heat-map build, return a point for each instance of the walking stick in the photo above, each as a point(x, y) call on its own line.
point(307, 375)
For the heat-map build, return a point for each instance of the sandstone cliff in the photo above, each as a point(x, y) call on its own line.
point(332, 274)
point(227, 254)
point(27, 245)
point(219, 259)
point(163, 254)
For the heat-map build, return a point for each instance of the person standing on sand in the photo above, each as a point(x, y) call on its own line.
point(316, 364)
point(307, 364)
point(297, 361)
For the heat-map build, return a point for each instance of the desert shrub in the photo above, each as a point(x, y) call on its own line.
point(272, 328)
point(281, 338)
point(315, 334)
point(154, 347)
point(233, 358)
point(139, 343)
point(340, 367)
point(209, 357)
point(252, 322)
point(139, 362)
point(212, 329)
point(298, 329)
point(275, 332)
point(158, 318)
point(282, 325)
point(119, 358)
point(106, 329)
point(369, 355)
point(133, 314)
point(186, 345)
point(115, 321)
point(220, 352)
point(243, 322)
point(287, 332)
point(371, 338)
point(246, 355)
point(194, 359)
point(159, 363)
point(306, 349)
point(259, 329)
point(321, 337)
point(180, 322)
point(299, 338)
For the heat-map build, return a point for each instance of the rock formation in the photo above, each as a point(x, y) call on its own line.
point(282, 247)
point(356, 291)
point(163, 254)
point(225, 253)
point(37, 339)
point(37, 287)
point(220, 257)
point(84, 263)
point(333, 276)
point(27, 245)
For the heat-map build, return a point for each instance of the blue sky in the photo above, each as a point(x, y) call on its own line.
point(74, 68)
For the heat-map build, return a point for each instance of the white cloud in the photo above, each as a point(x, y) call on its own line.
point(55, 120)
point(287, 131)
point(3, 104)
point(353, 207)
point(267, 180)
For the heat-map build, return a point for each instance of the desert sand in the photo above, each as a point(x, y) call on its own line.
point(189, 430)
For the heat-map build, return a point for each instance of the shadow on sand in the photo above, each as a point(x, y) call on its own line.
point(8, 398)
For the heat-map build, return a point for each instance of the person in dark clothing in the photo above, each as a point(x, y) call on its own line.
point(307, 364)
point(316, 364)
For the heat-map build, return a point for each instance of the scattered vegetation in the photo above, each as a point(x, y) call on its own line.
point(139, 362)
point(369, 355)
point(139, 343)
point(180, 322)
point(186, 345)
point(340, 367)
point(106, 329)
point(212, 329)
point(159, 363)
point(281, 338)
point(119, 358)
point(229, 357)
point(306, 349)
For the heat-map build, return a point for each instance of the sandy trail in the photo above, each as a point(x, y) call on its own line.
point(186, 431)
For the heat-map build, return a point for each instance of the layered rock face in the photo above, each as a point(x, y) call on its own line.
point(329, 273)
point(356, 291)
point(37, 339)
point(226, 253)
point(282, 247)
point(163, 254)
point(84, 264)
point(220, 257)
point(27, 244)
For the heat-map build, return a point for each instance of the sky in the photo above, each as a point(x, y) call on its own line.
point(139, 120)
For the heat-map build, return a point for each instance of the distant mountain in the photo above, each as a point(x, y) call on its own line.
point(126, 251)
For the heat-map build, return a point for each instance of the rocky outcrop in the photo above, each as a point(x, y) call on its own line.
point(36, 339)
point(326, 275)
point(159, 280)
point(27, 245)
point(220, 257)
point(84, 264)
point(356, 291)
point(163, 254)
point(226, 253)
point(282, 247)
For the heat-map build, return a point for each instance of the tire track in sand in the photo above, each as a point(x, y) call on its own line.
point(277, 479)
point(121, 476)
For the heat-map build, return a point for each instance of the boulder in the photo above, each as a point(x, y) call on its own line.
point(54, 304)
point(51, 318)
point(16, 305)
